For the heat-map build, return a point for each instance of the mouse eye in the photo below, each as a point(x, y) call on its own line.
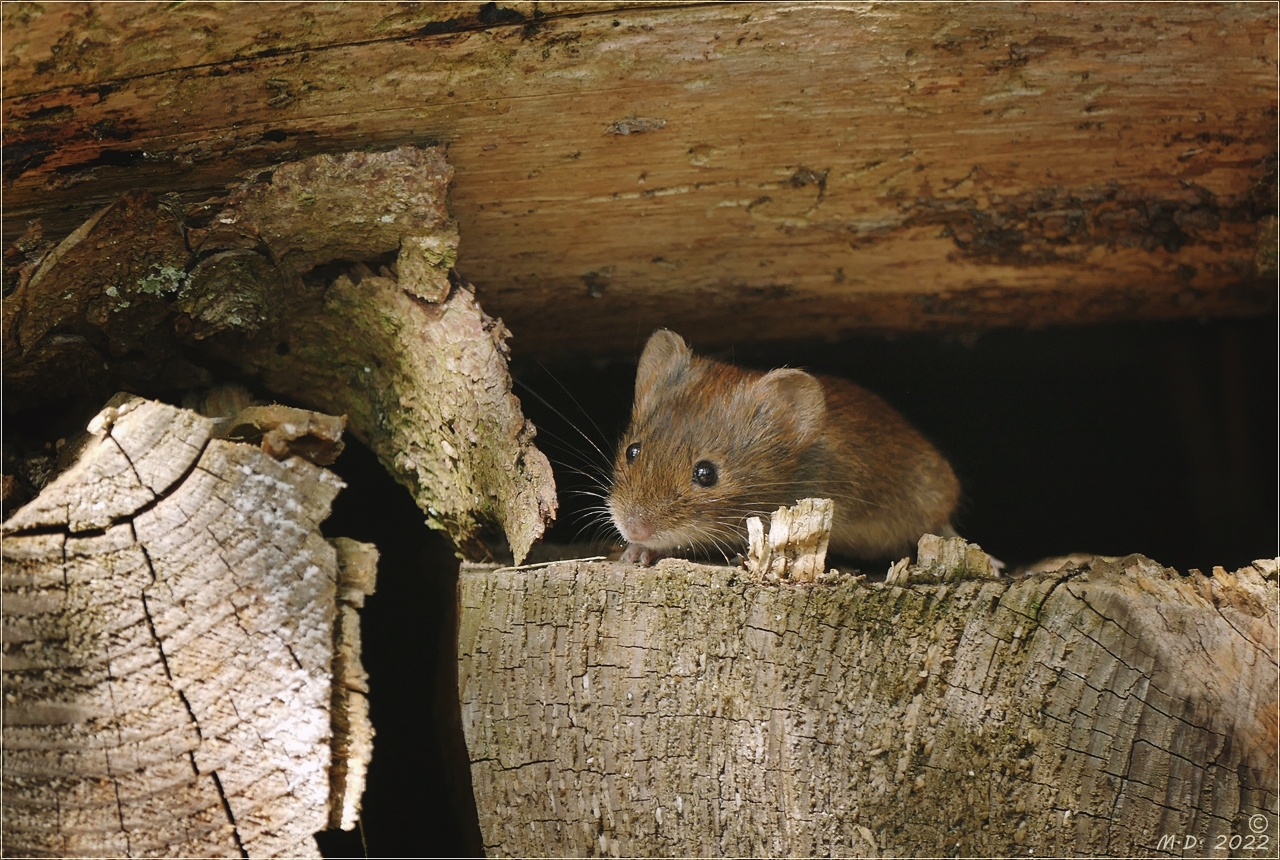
point(633, 451)
point(704, 474)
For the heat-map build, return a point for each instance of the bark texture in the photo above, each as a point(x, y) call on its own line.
point(169, 610)
point(863, 165)
point(269, 278)
point(689, 711)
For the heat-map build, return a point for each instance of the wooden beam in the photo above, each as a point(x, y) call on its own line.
point(810, 169)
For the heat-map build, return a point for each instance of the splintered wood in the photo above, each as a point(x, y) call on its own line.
point(795, 548)
point(273, 285)
point(687, 710)
point(284, 431)
point(944, 559)
point(352, 727)
point(169, 611)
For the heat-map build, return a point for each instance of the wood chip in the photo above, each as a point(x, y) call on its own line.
point(795, 549)
point(947, 559)
point(283, 431)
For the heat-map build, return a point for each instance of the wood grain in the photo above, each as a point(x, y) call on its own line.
point(805, 169)
point(685, 710)
point(167, 668)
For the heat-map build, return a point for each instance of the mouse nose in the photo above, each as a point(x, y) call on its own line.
point(635, 529)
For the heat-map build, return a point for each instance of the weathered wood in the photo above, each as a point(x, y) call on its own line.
point(120, 475)
point(414, 362)
point(687, 711)
point(862, 165)
point(168, 654)
point(352, 727)
point(795, 546)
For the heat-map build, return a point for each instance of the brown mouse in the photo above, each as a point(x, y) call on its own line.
point(711, 444)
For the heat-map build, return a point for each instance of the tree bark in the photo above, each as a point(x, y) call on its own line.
point(169, 626)
point(867, 166)
point(1117, 708)
point(328, 280)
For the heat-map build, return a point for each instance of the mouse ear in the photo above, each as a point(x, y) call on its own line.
point(665, 359)
point(795, 397)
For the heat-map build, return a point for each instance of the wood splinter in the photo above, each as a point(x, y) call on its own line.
point(795, 548)
point(945, 559)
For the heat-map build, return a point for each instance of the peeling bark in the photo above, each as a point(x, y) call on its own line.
point(687, 710)
point(278, 282)
point(169, 611)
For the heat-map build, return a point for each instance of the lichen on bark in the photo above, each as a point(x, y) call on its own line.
point(424, 382)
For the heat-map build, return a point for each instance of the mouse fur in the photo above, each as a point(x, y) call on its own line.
point(769, 439)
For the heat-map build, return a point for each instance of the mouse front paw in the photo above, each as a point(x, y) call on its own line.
point(643, 556)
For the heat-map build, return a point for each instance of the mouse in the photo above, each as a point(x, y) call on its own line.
point(711, 444)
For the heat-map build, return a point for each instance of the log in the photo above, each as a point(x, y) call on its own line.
point(1112, 708)
point(170, 617)
point(271, 279)
point(863, 166)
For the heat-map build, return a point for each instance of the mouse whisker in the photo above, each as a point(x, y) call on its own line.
point(593, 473)
point(584, 412)
point(588, 494)
point(593, 527)
point(525, 387)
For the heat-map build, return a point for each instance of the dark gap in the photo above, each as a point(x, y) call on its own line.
point(418, 801)
point(580, 412)
point(106, 158)
point(491, 14)
point(18, 158)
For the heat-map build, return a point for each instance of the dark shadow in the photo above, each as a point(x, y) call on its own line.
point(419, 800)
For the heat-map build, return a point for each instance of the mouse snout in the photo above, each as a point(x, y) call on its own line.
point(635, 529)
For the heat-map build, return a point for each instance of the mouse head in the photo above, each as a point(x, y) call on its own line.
point(709, 445)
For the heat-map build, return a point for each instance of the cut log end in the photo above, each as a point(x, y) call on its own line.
point(171, 616)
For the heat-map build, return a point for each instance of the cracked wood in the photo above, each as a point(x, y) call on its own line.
point(687, 711)
point(169, 610)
